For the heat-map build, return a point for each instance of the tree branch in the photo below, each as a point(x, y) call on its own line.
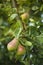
point(16, 5)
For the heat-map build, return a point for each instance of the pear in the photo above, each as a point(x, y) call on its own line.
point(12, 45)
point(24, 16)
point(21, 50)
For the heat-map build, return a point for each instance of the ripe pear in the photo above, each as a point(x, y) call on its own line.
point(21, 50)
point(12, 45)
point(24, 16)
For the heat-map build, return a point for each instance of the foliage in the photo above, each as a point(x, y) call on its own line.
point(27, 28)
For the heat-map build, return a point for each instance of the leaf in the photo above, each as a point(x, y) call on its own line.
point(9, 32)
point(2, 39)
point(32, 20)
point(17, 28)
point(12, 17)
point(28, 43)
point(35, 7)
point(1, 21)
point(40, 38)
point(41, 8)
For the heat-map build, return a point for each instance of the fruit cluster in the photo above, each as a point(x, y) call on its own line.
point(20, 49)
point(15, 46)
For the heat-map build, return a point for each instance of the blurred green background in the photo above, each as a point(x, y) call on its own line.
point(11, 25)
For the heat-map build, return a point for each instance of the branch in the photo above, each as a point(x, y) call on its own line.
point(16, 5)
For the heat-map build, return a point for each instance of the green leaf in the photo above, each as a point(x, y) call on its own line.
point(12, 17)
point(35, 7)
point(1, 21)
point(9, 32)
point(2, 39)
point(17, 28)
point(28, 43)
point(40, 38)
